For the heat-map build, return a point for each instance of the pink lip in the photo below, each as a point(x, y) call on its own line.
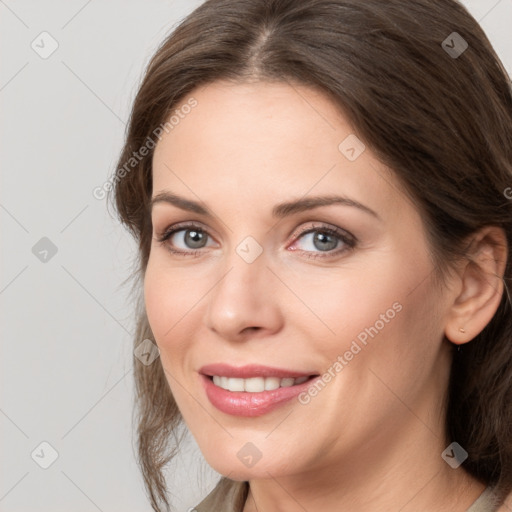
point(241, 403)
point(251, 370)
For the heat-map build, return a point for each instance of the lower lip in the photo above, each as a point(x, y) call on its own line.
point(241, 403)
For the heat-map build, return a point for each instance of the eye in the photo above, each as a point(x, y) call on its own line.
point(319, 240)
point(323, 241)
point(315, 241)
point(185, 239)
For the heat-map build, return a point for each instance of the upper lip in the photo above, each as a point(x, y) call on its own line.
point(251, 370)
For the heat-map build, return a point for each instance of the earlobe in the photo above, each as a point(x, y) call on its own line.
point(480, 286)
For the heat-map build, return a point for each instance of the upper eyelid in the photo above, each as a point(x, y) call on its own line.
point(178, 226)
point(183, 226)
point(326, 227)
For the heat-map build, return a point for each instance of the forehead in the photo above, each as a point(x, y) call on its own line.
point(266, 140)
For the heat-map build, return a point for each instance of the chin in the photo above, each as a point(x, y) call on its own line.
point(238, 469)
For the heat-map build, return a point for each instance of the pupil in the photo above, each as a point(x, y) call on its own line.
point(323, 241)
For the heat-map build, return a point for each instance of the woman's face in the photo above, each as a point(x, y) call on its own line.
point(265, 275)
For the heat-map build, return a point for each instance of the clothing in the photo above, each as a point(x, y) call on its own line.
point(237, 494)
point(486, 502)
point(225, 491)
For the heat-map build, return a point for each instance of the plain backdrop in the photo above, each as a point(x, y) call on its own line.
point(69, 71)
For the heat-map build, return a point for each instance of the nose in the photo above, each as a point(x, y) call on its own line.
point(244, 301)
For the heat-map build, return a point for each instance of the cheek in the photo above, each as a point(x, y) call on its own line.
point(402, 349)
point(383, 314)
point(356, 299)
point(169, 302)
point(159, 304)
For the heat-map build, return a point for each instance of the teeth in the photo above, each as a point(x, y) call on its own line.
point(235, 384)
point(256, 384)
point(272, 383)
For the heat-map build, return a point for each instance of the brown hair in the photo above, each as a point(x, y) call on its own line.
point(441, 121)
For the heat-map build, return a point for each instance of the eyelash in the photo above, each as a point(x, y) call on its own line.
point(344, 236)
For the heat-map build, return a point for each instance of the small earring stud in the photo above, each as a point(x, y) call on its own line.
point(462, 330)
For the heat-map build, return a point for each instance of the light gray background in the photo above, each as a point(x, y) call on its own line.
point(66, 359)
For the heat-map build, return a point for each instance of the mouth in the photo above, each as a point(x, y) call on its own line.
point(252, 390)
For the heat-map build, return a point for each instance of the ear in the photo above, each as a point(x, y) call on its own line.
point(478, 285)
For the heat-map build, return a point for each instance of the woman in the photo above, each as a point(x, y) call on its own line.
point(324, 227)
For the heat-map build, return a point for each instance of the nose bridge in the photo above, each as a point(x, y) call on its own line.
point(242, 296)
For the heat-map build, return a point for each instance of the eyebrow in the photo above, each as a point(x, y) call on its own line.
point(279, 211)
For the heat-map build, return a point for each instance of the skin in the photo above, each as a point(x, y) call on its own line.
point(372, 438)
